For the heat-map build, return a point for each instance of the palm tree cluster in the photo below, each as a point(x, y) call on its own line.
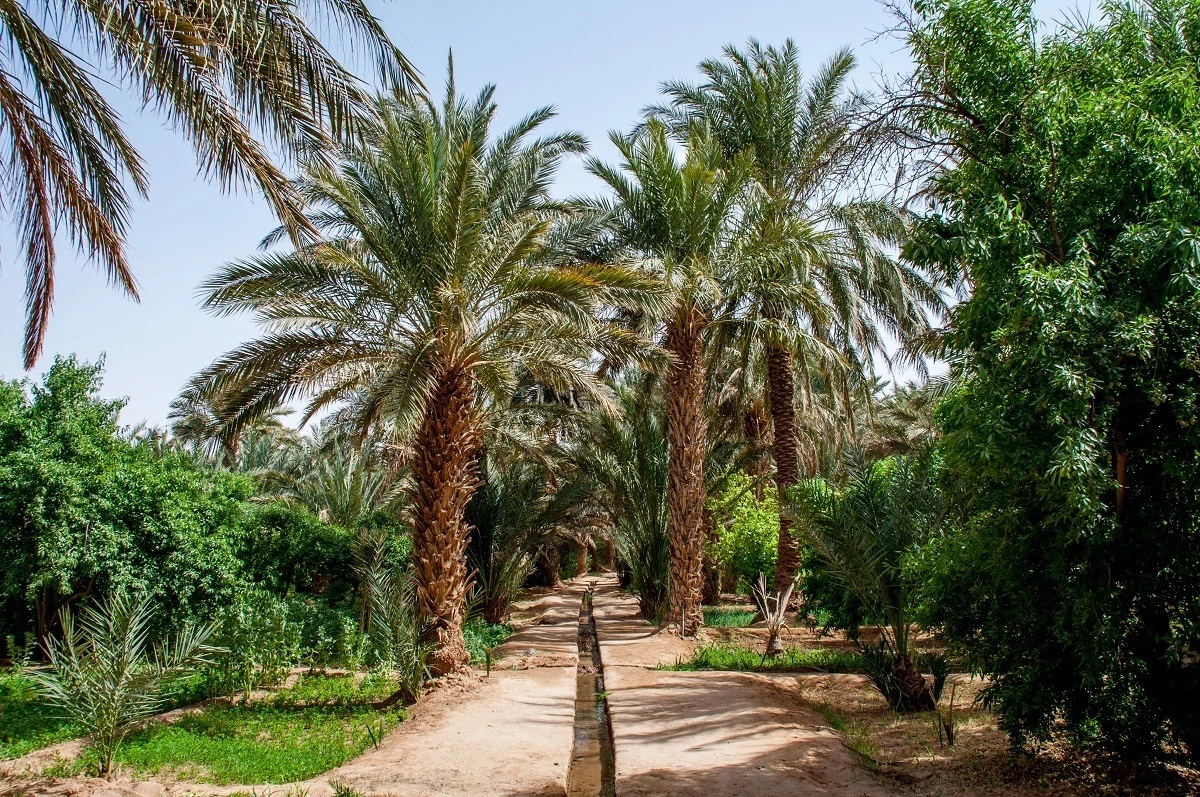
point(505, 372)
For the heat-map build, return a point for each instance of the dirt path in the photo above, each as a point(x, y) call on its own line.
point(709, 733)
point(509, 734)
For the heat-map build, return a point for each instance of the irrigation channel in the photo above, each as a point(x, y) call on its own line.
point(593, 768)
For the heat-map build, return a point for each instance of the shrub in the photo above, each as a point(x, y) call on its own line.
point(105, 675)
point(747, 538)
point(260, 642)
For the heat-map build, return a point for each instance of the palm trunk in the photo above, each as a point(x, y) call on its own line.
point(445, 475)
point(687, 428)
point(781, 395)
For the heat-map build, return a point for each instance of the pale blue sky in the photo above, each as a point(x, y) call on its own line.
point(600, 63)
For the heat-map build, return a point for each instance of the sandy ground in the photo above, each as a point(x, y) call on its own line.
point(708, 733)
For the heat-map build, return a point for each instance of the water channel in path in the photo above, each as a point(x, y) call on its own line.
point(593, 768)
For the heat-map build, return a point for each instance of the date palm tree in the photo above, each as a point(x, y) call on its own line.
point(818, 294)
point(443, 280)
point(681, 220)
point(224, 73)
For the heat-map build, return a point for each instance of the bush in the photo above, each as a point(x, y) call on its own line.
point(260, 642)
point(747, 539)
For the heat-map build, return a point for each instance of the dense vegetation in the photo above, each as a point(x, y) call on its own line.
point(678, 379)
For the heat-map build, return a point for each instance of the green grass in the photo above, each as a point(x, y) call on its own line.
point(715, 617)
point(857, 739)
point(297, 734)
point(25, 723)
point(737, 657)
point(480, 636)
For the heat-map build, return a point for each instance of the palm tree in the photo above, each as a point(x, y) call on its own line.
point(818, 290)
point(217, 71)
point(440, 284)
point(681, 220)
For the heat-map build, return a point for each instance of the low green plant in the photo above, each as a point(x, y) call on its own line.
point(725, 617)
point(947, 728)
point(26, 722)
point(260, 642)
point(482, 637)
point(105, 675)
point(741, 658)
point(856, 738)
point(395, 632)
point(257, 743)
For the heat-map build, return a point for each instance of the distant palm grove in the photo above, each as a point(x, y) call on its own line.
point(917, 366)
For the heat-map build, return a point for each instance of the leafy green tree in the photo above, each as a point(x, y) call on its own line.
point(441, 284)
point(220, 72)
point(84, 512)
point(1066, 196)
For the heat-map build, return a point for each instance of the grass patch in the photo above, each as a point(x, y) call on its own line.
point(480, 636)
point(740, 658)
point(336, 690)
point(301, 732)
point(858, 739)
point(26, 724)
point(725, 617)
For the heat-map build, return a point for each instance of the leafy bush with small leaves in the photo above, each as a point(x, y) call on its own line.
point(747, 538)
point(260, 642)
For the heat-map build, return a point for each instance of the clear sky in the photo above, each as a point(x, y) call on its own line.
point(600, 63)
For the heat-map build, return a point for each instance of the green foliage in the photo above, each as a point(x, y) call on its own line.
point(104, 675)
point(512, 514)
point(286, 549)
point(257, 743)
point(728, 618)
point(740, 658)
point(259, 642)
point(748, 540)
point(482, 636)
point(621, 468)
point(84, 512)
point(864, 534)
point(395, 631)
point(1071, 438)
point(26, 722)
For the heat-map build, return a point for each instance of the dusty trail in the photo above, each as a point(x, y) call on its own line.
point(710, 733)
point(508, 734)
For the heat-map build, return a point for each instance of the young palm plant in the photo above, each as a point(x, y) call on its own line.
point(620, 465)
point(861, 532)
point(218, 71)
point(817, 294)
point(512, 515)
point(681, 219)
point(440, 283)
point(106, 676)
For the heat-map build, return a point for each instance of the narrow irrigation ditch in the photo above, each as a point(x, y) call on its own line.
point(593, 769)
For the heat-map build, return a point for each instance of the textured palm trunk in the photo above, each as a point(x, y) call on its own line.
point(687, 427)
point(445, 474)
point(781, 395)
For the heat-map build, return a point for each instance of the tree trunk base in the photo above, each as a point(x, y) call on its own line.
point(449, 652)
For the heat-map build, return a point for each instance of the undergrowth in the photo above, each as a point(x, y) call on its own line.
point(481, 636)
point(737, 657)
point(726, 617)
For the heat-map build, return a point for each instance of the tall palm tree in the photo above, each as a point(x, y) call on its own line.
point(681, 220)
point(818, 291)
point(220, 71)
point(442, 281)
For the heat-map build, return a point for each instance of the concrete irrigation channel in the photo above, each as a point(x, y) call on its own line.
point(593, 767)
